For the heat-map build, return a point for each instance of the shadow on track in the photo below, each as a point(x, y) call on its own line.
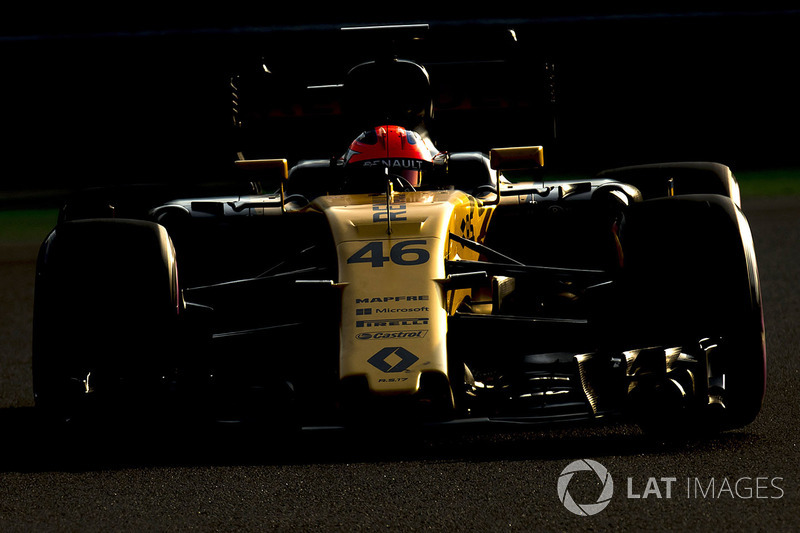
point(30, 445)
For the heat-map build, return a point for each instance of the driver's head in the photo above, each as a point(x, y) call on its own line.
point(404, 153)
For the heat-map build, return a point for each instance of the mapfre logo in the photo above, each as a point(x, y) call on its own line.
point(585, 509)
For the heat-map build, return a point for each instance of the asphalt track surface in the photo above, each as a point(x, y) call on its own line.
point(747, 480)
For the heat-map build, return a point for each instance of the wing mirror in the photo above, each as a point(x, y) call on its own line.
point(519, 158)
point(268, 170)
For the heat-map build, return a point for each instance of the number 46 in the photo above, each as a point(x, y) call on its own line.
point(402, 253)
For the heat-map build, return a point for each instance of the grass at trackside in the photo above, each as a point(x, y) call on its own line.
point(26, 226)
point(773, 182)
point(31, 226)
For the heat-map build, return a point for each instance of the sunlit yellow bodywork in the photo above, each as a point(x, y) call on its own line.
point(391, 271)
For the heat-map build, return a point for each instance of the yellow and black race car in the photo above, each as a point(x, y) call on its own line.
point(399, 283)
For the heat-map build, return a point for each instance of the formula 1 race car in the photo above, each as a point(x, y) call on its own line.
point(399, 283)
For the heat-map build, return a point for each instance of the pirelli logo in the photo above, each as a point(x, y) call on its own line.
point(382, 323)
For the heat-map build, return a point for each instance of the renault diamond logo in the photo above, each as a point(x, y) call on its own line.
point(393, 359)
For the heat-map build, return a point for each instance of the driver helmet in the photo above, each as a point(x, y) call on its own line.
point(404, 153)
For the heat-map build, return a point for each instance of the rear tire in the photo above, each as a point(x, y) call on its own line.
point(656, 180)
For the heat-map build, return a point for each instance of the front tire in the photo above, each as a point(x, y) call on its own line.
point(105, 313)
point(692, 274)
